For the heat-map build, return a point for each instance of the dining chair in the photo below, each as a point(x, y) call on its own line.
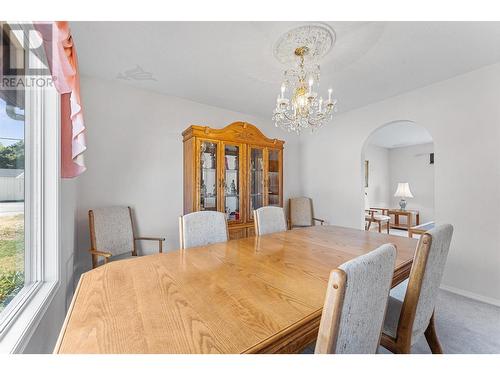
point(269, 219)
point(372, 215)
point(202, 228)
point(355, 304)
point(407, 320)
point(112, 233)
point(300, 213)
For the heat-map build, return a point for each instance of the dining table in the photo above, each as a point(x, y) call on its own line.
point(251, 295)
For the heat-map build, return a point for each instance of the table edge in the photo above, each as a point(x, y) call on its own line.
point(60, 338)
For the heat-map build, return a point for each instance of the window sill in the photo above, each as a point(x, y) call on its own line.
point(16, 336)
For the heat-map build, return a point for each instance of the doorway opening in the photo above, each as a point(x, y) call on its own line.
point(398, 184)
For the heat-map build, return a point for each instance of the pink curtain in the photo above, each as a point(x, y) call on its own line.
point(63, 63)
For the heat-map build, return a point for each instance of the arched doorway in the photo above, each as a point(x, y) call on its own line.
point(398, 169)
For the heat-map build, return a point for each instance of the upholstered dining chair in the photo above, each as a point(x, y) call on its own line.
point(269, 219)
point(373, 215)
point(112, 233)
point(202, 228)
point(406, 321)
point(355, 304)
point(300, 213)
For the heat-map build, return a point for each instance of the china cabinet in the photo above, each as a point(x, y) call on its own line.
point(232, 170)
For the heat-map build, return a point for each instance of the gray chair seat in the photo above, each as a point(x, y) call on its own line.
point(394, 305)
point(392, 314)
point(378, 217)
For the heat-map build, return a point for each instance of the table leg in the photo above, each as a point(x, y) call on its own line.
point(409, 220)
point(418, 218)
point(396, 219)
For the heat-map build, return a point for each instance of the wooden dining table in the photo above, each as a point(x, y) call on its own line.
point(252, 295)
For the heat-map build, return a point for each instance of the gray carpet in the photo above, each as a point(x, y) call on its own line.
point(463, 326)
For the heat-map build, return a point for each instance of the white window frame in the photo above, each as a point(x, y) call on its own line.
point(21, 316)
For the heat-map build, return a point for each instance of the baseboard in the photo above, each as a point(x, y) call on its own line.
point(477, 297)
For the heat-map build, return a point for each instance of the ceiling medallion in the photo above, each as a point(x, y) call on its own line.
point(300, 49)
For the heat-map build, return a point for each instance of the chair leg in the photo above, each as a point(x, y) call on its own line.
point(388, 227)
point(394, 346)
point(431, 337)
point(368, 227)
point(380, 227)
point(94, 261)
point(403, 350)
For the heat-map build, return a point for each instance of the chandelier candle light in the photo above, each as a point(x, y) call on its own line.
point(304, 109)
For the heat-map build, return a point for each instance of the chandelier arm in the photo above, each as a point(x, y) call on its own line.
point(290, 118)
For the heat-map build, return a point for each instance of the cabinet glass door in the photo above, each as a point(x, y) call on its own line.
point(208, 173)
point(273, 178)
point(231, 183)
point(256, 182)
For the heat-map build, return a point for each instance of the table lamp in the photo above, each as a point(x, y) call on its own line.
point(403, 191)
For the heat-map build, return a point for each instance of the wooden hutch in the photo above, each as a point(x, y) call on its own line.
point(233, 170)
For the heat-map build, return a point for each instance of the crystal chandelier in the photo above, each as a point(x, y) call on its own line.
point(303, 108)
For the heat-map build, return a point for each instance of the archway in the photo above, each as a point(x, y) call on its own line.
point(398, 169)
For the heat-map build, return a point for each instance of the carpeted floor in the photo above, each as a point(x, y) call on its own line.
point(463, 326)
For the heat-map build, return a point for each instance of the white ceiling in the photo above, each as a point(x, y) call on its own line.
point(231, 64)
point(400, 134)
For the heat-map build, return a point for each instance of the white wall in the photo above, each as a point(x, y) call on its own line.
point(378, 191)
point(134, 156)
point(411, 164)
point(463, 116)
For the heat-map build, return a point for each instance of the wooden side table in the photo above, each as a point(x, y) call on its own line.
point(409, 218)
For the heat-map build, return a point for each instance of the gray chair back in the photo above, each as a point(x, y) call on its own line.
point(269, 219)
point(430, 278)
point(112, 230)
point(355, 304)
point(301, 212)
point(202, 228)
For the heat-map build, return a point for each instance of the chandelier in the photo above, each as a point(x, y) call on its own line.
point(299, 106)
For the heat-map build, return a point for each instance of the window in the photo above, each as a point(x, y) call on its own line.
point(12, 176)
point(29, 188)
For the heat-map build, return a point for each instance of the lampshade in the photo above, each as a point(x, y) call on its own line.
point(403, 190)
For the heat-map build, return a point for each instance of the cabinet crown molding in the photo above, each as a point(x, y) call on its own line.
point(237, 131)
